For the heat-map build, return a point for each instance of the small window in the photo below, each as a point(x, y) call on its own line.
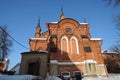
point(68, 30)
point(84, 36)
point(87, 49)
point(53, 49)
point(112, 56)
point(54, 36)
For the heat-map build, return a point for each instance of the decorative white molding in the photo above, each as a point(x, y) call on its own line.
point(64, 37)
point(53, 61)
point(77, 47)
point(101, 65)
point(70, 63)
point(89, 61)
point(73, 63)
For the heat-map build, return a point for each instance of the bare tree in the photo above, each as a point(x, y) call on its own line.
point(113, 2)
point(116, 20)
point(116, 48)
point(5, 42)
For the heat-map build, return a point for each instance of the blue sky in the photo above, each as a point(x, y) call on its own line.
point(21, 17)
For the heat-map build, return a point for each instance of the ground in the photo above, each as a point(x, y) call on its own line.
point(30, 77)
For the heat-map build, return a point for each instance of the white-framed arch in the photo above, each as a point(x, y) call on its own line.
point(76, 44)
point(62, 44)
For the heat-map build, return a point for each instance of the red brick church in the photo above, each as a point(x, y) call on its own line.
point(67, 47)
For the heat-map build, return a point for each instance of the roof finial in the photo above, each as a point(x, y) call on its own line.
point(62, 10)
point(39, 20)
point(38, 29)
point(62, 14)
point(84, 20)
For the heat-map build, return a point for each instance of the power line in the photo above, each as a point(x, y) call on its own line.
point(13, 38)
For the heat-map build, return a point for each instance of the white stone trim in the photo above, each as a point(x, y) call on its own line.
point(53, 61)
point(43, 51)
point(70, 63)
point(64, 37)
point(65, 63)
point(73, 63)
point(38, 38)
point(89, 61)
point(77, 48)
point(101, 65)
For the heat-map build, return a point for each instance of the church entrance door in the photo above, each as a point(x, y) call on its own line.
point(33, 68)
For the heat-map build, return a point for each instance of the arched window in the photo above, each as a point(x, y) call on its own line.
point(64, 45)
point(74, 45)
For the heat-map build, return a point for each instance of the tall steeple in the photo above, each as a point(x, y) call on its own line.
point(38, 29)
point(62, 14)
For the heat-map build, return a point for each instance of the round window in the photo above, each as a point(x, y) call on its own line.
point(68, 30)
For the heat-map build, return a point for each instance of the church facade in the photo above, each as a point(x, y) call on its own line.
point(69, 47)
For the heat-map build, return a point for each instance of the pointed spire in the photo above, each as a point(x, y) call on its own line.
point(38, 29)
point(62, 14)
point(84, 20)
point(39, 21)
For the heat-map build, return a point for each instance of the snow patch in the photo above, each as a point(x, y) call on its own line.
point(38, 38)
point(96, 39)
point(19, 77)
point(90, 61)
point(31, 77)
point(111, 77)
point(52, 78)
point(83, 23)
point(53, 22)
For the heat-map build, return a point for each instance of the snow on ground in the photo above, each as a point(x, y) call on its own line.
point(30, 77)
point(26, 77)
point(52, 78)
point(18, 77)
point(111, 77)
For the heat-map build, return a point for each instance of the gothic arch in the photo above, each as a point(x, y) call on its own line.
point(64, 45)
point(74, 45)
